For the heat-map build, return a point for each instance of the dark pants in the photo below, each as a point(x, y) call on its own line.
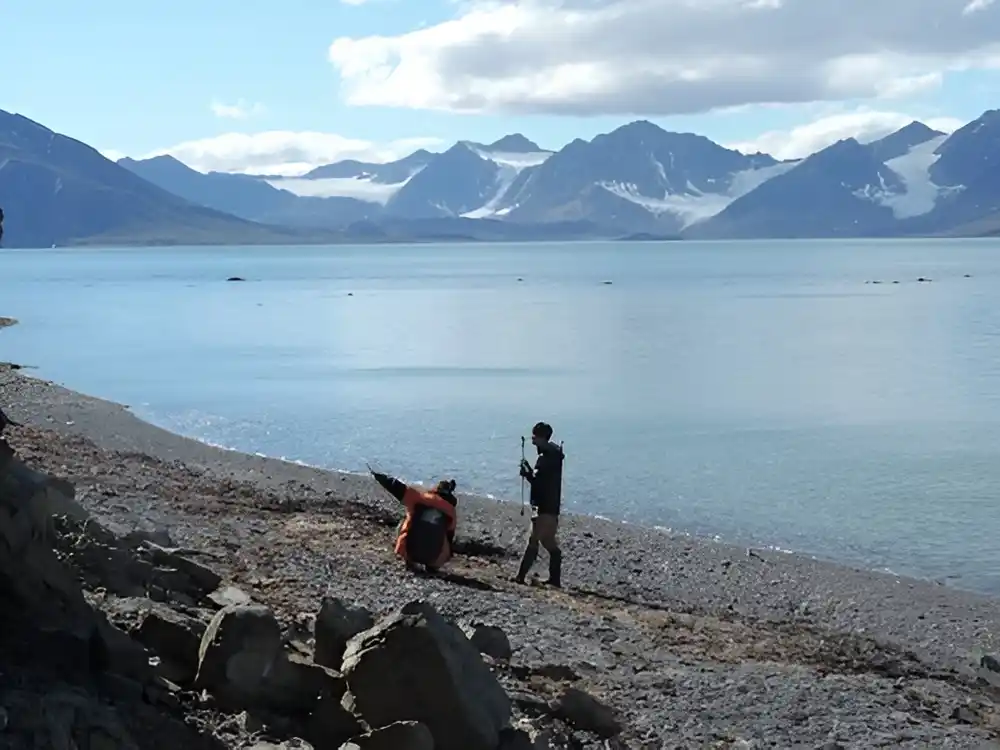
point(544, 530)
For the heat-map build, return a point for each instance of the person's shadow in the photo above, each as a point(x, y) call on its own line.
point(456, 578)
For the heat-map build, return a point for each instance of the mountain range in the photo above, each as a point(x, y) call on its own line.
point(638, 181)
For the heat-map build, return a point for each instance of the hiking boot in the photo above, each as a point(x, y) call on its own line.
point(555, 569)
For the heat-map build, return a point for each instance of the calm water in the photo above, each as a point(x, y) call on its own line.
point(758, 391)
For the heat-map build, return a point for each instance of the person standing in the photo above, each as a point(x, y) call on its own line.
point(546, 498)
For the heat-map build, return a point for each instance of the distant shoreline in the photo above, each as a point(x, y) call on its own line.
point(326, 241)
point(98, 243)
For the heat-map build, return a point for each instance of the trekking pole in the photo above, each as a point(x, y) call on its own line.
point(521, 468)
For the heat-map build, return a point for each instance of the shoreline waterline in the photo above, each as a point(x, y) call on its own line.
point(668, 531)
point(670, 571)
point(761, 398)
point(722, 543)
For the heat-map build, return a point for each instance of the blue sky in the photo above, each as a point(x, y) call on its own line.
point(141, 77)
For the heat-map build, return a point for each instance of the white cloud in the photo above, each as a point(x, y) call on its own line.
point(663, 57)
point(865, 125)
point(238, 111)
point(976, 5)
point(287, 153)
point(111, 154)
point(340, 187)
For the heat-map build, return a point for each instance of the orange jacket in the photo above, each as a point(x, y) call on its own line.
point(413, 500)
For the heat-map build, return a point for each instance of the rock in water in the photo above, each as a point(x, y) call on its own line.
point(403, 735)
point(417, 666)
point(335, 625)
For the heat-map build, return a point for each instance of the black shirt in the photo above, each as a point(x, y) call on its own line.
point(546, 479)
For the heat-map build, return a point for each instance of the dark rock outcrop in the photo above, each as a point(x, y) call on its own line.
point(460, 700)
point(169, 641)
point(586, 712)
point(70, 678)
point(490, 640)
point(335, 625)
point(403, 735)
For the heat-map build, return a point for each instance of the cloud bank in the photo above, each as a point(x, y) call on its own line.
point(667, 57)
point(808, 138)
point(238, 111)
point(285, 153)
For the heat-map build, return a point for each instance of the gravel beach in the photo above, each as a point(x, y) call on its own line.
point(695, 644)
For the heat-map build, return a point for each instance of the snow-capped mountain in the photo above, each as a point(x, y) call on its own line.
point(638, 175)
point(836, 192)
point(515, 157)
point(639, 178)
point(914, 181)
point(358, 180)
point(966, 175)
point(249, 197)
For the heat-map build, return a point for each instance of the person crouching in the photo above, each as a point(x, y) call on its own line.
point(427, 533)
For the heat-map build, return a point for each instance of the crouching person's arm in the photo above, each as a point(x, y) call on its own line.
point(391, 485)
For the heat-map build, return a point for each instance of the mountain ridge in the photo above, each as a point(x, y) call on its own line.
point(636, 180)
point(644, 179)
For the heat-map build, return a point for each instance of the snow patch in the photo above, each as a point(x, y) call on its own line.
point(920, 194)
point(516, 161)
point(505, 177)
point(694, 206)
point(509, 166)
point(751, 179)
point(688, 208)
point(360, 188)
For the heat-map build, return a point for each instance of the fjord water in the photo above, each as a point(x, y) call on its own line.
point(759, 391)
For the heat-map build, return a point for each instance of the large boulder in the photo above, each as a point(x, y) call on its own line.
point(44, 589)
point(294, 685)
point(336, 624)
point(177, 573)
point(417, 666)
point(242, 662)
point(586, 712)
point(490, 640)
point(331, 724)
point(237, 652)
point(403, 735)
point(172, 636)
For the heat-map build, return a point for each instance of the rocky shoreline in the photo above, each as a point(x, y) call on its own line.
point(684, 643)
